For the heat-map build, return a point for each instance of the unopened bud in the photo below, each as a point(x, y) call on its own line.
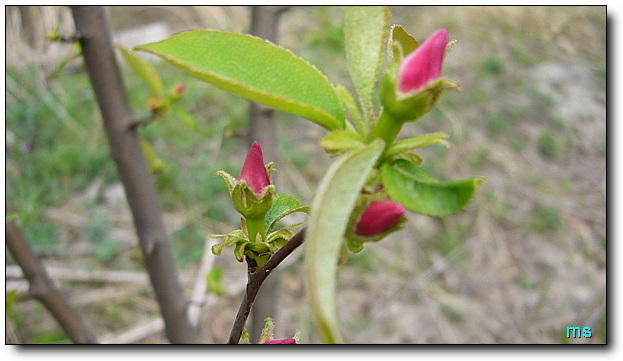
point(379, 217)
point(285, 341)
point(424, 64)
point(254, 171)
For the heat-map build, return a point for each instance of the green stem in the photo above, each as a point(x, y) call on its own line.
point(255, 226)
point(386, 128)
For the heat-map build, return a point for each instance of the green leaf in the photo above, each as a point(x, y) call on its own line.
point(244, 338)
point(217, 249)
point(283, 205)
point(10, 300)
point(416, 142)
point(365, 31)
point(145, 71)
point(409, 185)
point(341, 140)
point(255, 69)
point(11, 216)
point(156, 165)
point(214, 280)
point(239, 250)
point(328, 219)
point(185, 117)
point(278, 239)
point(347, 99)
point(232, 238)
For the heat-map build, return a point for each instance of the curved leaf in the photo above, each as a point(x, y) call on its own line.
point(256, 69)
point(416, 142)
point(365, 32)
point(329, 216)
point(409, 185)
point(341, 140)
point(349, 102)
point(144, 70)
point(185, 117)
point(283, 204)
point(156, 165)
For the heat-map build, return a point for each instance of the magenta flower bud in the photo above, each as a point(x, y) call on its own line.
point(379, 217)
point(286, 341)
point(254, 172)
point(180, 89)
point(424, 64)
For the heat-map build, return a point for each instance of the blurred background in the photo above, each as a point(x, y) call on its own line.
point(524, 261)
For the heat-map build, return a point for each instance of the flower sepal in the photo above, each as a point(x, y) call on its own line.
point(412, 84)
point(248, 205)
point(267, 336)
point(258, 251)
point(245, 199)
point(409, 107)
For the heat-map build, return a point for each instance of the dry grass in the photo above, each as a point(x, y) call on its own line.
point(524, 261)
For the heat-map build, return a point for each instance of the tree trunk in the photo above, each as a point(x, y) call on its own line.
point(93, 29)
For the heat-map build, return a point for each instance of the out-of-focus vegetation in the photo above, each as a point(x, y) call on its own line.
point(524, 260)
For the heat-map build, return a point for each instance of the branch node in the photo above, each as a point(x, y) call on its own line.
point(134, 123)
point(77, 36)
point(38, 288)
point(148, 246)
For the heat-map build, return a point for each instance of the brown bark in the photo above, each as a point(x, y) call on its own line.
point(256, 280)
point(92, 25)
point(43, 289)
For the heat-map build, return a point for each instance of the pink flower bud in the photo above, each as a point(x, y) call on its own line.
point(378, 218)
point(286, 341)
point(424, 64)
point(254, 172)
point(180, 89)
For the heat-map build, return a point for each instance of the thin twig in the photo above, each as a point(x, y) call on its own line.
point(255, 282)
point(42, 287)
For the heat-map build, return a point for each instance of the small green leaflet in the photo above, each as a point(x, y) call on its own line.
point(283, 205)
point(214, 279)
point(350, 104)
point(156, 165)
point(420, 141)
point(341, 140)
point(185, 117)
point(144, 70)
point(409, 185)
